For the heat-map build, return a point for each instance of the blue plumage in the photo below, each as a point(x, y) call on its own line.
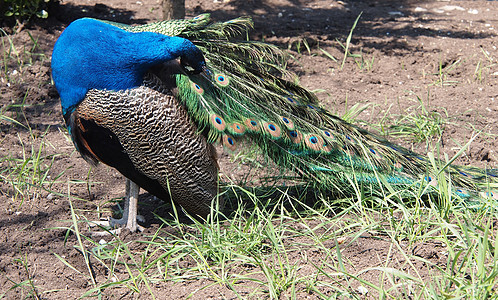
point(91, 54)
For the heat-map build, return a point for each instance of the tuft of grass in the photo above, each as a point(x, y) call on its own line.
point(348, 42)
point(360, 59)
point(27, 286)
point(351, 114)
point(417, 123)
point(443, 73)
point(28, 172)
point(484, 67)
point(299, 44)
point(15, 59)
point(363, 63)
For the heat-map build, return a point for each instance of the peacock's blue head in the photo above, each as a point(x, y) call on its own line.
point(91, 54)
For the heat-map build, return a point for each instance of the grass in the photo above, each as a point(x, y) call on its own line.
point(417, 123)
point(16, 59)
point(484, 67)
point(285, 248)
point(28, 172)
point(444, 72)
point(280, 246)
point(27, 286)
point(360, 59)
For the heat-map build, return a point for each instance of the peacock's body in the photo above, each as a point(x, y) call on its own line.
point(147, 136)
point(120, 112)
point(129, 104)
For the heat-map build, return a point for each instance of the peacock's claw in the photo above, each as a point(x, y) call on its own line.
point(115, 226)
point(130, 216)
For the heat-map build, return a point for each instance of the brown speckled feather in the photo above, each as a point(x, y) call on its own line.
point(147, 136)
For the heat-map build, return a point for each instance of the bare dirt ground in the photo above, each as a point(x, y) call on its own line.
point(443, 52)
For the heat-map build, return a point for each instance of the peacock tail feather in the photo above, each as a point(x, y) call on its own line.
point(241, 97)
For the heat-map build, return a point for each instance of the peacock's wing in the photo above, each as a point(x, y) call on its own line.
point(148, 137)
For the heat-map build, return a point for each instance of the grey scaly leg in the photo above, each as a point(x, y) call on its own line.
point(130, 208)
point(129, 217)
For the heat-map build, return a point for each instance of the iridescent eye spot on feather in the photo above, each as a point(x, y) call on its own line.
point(218, 122)
point(311, 106)
point(295, 136)
point(462, 193)
point(314, 142)
point(237, 128)
point(350, 140)
point(272, 129)
point(463, 173)
point(328, 135)
point(251, 124)
point(492, 195)
point(376, 153)
point(291, 100)
point(288, 123)
point(221, 79)
point(229, 142)
point(197, 88)
point(431, 181)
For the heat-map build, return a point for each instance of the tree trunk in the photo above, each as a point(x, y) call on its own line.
point(173, 9)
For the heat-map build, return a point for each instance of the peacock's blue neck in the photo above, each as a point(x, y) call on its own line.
point(91, 54)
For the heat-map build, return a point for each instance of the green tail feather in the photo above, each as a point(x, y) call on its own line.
point(242, 95)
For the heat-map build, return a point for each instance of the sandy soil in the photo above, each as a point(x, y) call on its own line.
point(443, 52)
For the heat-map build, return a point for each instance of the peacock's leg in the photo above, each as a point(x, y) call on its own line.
point(130, 217)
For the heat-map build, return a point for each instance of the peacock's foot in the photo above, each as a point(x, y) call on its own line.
point(130, 216)
point(117, 225)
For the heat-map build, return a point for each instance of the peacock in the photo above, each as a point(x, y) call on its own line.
point(151, 100)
